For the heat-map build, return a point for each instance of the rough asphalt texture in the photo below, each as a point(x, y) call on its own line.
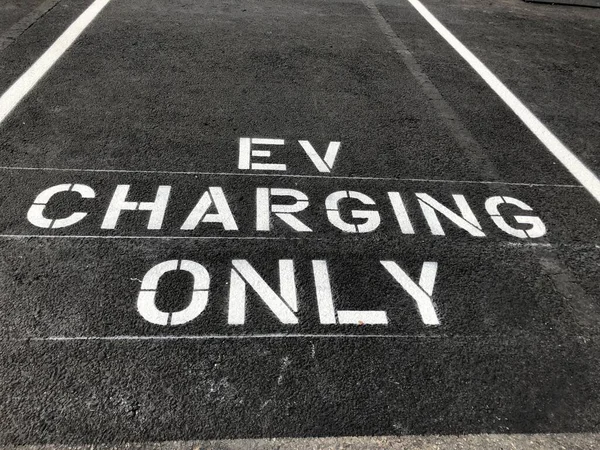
point(159, 93)
point(13, 12)
point(571, 441)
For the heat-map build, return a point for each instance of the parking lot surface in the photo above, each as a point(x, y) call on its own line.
point(293, 219)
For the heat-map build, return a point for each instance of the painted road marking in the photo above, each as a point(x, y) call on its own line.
point(36, 212)
point(567, 158)
point(271, 203)
point(383, 210)
point(233, 238)
point(341, 210)
point(13, 96)
point(146, 303)
point(204, 337)
point(383, 305)
point(287, 175)
point(461, 134)
point(209, 337)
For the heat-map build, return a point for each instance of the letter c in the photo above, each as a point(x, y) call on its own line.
point(36, 217)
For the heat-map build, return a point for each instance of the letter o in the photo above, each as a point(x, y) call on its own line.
point(146, 302)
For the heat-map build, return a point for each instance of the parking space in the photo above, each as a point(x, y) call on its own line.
point(271, 218)
point(541, 51)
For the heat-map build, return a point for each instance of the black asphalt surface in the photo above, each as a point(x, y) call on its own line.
point(159, 93)
point(13, 12)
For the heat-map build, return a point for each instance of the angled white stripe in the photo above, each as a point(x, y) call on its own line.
point(584, 175)
point(13, 96)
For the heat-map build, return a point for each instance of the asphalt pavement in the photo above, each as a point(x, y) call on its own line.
point(273, 219)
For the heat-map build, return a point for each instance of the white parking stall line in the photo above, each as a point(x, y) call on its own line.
point(567, 158)
point(26, 82)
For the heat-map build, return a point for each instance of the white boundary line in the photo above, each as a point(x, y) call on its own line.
point(13, 96)
point(207, 337)
point(224, 337)
point(281, 175)
point(189, 238)
point(509, 244)
point(584, 175)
